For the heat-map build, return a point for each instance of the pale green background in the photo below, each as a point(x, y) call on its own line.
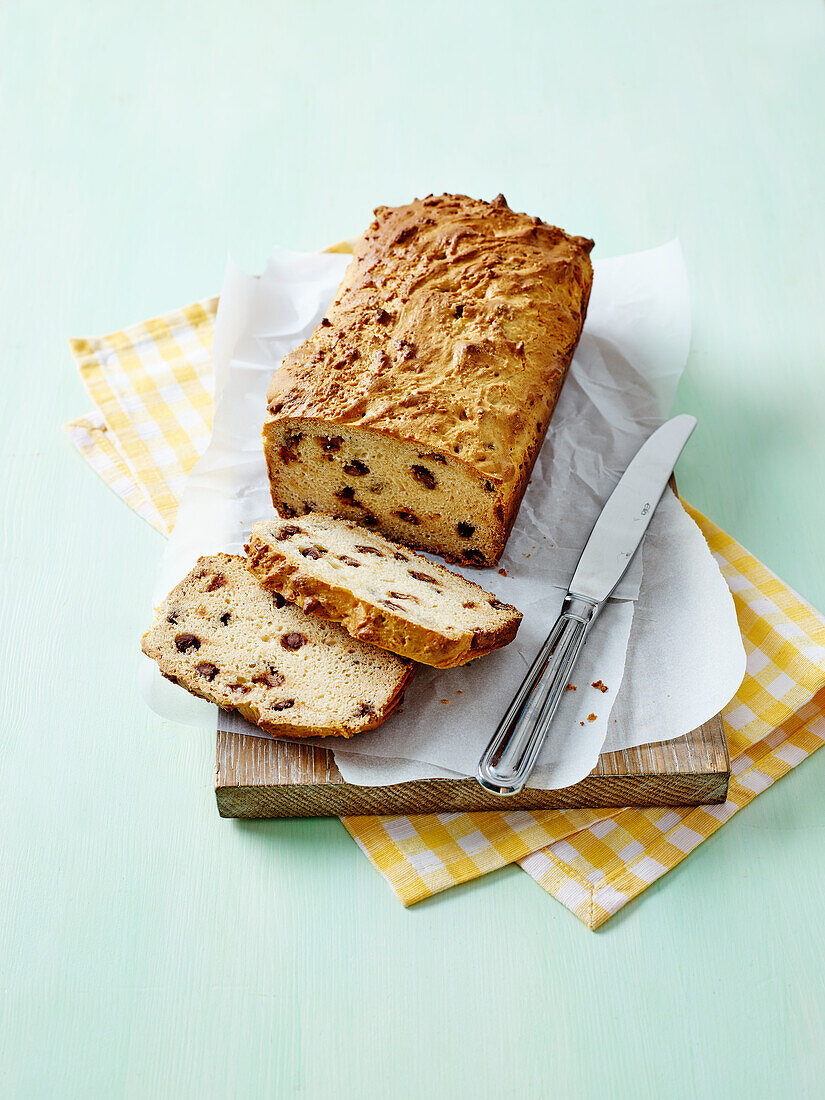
point(150, 949)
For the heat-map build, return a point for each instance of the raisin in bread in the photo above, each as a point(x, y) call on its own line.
point(379, 592)
point(222, 636)
point(420, 402)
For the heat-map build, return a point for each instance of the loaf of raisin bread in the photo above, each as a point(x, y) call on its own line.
point(420, 402)
point(378, 591)
point(222, 636)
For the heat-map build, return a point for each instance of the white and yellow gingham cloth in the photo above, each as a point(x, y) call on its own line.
point(152, 388)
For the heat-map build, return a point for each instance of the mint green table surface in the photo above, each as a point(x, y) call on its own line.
point(150, 949)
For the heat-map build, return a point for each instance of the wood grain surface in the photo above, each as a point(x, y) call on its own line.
point(262, 777)
point(149, 948)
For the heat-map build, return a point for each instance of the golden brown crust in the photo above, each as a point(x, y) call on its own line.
point(369, 620)
point(453, 330)
point(394, 356)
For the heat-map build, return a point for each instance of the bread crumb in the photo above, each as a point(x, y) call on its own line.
point(445, 700)
point(591, 718)
point(460, 691)
point(599, 685)
point(581, 723)
point(503, 572)
point(571, 687)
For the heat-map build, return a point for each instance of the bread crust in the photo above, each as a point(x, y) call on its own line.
point(452, 330)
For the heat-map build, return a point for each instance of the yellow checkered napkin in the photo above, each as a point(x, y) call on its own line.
point(152, 386)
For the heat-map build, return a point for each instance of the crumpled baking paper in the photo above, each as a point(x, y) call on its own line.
point(667, 646)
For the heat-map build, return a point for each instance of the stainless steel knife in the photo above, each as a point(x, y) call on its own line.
point(511, 755)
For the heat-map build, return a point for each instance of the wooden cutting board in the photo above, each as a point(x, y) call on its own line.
point(262, 777)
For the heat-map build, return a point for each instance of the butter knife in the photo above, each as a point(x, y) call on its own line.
point(511, 755)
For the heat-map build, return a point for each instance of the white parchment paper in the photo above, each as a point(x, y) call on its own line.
point(676, 667)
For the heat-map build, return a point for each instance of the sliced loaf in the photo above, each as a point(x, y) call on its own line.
point(378, 591)
point(419, 404)
point(222, 636)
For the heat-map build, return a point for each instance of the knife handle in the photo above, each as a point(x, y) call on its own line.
point(511, 755)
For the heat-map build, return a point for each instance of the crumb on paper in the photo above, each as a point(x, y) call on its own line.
point(581, 723)
point(502, 572)
point(599, 685)
point(571, 687)
point(591, 718)
point(445, 700)
point(460, 691)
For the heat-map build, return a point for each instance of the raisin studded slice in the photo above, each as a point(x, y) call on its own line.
point(425, 476)
point(368, 520)
point(278, 599)
point(408, 517)
point(399, 556)
point(227, 615)
point(207, 669)
point(403, 596)
point(364, 710)
point(325, 322)
point(458, 311)
point(287, 532)
point(369, 550)
point(349, 561)
point(184, 643)
point(435, 457)
point(330, 443)
point(240, 689)
point(346, 495)
point(356, 468)
point(218, 581)
point(314, 552)
point(392, 606)
point(466, 530)
point(283, 704)
point(423, 576)
point(469, 603)
point(292, 641)
point(286, 510)
point(172, 617)
point(498, 605)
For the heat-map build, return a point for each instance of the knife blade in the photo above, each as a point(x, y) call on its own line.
point(624, 520)
point(513, 750)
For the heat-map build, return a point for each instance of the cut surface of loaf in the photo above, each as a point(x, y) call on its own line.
point(380, 592)
point(222, 636)
point(420, 402)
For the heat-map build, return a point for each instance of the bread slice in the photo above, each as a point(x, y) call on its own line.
point(222, 636)
point(379, 592)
